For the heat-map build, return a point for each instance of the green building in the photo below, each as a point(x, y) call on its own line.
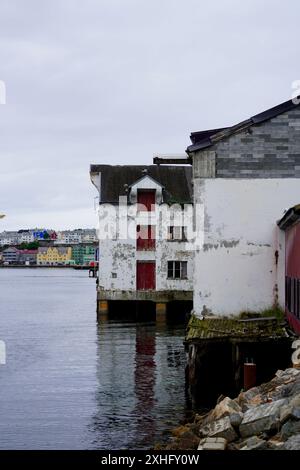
point(83, 254)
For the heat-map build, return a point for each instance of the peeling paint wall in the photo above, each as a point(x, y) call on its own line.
point(117, 259)
point(241, 264)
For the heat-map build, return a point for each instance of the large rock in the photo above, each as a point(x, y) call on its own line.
point(293, 443)
point(225, 408)
point(261, 418)
point(212, 443)
point(254, 443)
point(288, 412)
point(289, 428)
point(220, 428)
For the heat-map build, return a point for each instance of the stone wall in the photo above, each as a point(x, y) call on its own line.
point(268, 150)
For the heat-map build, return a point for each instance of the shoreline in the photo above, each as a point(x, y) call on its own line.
point(265, 417)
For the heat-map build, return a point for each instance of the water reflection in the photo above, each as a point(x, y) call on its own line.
point(140, 393)
point(70, 384)
point(144, 384)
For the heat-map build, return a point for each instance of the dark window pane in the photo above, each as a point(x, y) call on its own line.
point(170, 269)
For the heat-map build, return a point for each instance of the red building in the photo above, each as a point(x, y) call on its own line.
point(290, 223)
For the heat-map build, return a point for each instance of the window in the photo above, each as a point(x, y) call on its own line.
point(292, 295)
point(177, 269)
point(177, 233)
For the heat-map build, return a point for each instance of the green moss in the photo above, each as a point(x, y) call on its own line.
point(276, 312)
point(235, 327)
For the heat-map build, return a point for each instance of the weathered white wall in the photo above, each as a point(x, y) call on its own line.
point(118, 257)
point(236, 270)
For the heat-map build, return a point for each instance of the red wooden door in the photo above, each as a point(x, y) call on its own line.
point(145, 200)
point(145, 275)
point(145, 237)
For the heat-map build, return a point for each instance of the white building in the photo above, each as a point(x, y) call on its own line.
point(245, 177)
point(144, 253)
point(25, 236)
point(73, 237)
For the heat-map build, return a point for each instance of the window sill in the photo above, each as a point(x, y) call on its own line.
point(177, 278)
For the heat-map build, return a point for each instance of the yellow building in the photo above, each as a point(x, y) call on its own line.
point(53, 255)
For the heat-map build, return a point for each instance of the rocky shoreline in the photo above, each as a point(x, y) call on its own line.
point(266, 417)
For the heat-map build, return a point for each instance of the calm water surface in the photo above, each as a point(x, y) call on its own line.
point(71, 384)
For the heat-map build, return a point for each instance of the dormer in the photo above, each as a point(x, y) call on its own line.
point(146, 191)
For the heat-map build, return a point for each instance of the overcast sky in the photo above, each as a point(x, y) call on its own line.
point(115, 81)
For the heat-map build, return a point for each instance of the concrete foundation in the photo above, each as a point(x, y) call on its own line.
point(161, 312)
point(102, 310)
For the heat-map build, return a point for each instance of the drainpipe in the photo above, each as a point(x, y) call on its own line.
point(249, 374)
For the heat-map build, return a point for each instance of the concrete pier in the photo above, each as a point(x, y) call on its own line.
point(218, 348)
point(102, 311)
point(161, 312)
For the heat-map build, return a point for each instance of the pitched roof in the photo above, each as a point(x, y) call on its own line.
point(176, 180)
point(204, 139)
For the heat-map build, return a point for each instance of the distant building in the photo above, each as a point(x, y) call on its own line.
point(71, 237)
point(25, 236)
point(8, 238)
point(11, 255)
point(28, 257)
point(84, 254)
point(53, 255)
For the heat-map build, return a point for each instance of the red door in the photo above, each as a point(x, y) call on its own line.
point(146, 200)
point(145, 237)
point(145, 275)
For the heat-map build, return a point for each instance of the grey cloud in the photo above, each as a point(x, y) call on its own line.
point(118, 80)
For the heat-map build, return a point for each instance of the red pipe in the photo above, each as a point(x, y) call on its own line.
point(249, 375)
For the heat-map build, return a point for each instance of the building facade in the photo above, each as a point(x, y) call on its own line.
point(28, 257)
point(84, 254)
point(144, 255)
point(11, 255)
point(53, 256)
point(244, 177)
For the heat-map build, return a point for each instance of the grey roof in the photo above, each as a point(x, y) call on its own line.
point(203, 139)
point(176, 181)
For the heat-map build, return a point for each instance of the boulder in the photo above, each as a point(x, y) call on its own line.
point(212, 443)
point(293, 443)
point(236, 419)
point(254, 443)
point(288, 412)
point(224, 408)
point(289, 428)
point(219, 428)
point(261, 418)
point(295, 401)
